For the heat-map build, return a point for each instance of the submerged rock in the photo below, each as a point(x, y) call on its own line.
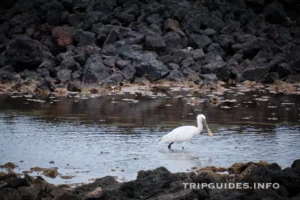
point(238, 168)
point(9, 166)
point(45, 86)
point(51, 172)
point(74, 87)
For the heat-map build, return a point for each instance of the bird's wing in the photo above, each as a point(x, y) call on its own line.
point(182, 133)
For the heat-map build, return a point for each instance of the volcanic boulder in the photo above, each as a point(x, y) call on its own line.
point(94, 70)
point(26, 53)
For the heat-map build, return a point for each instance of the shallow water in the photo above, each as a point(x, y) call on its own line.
point(114, 135)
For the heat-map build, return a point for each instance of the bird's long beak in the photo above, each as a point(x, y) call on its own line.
point(208, 130)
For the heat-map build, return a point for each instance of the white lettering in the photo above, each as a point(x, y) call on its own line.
point(231, 185)
point(185, 185)
point(276, 186)
point(220, 185)
point(203, 185)
point(238, 185)
point(192, 185)
point(260, 186)
point(246, 186)
point(211, 186)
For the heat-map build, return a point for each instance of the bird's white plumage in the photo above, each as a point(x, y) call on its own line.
point(185, 133)
point(180, 134)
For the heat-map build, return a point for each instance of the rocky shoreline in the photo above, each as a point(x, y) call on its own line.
point(77, 44)
point(162, 184)
point(148, 89)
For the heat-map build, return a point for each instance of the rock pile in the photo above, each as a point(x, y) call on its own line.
point(161, 184)
point(110, 42)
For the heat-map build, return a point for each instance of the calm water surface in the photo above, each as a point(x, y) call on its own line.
point(118, 135)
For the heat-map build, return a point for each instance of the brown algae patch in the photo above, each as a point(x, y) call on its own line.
point(284, 88)
point(150, 88)
point(66, 177)
point(212, 169)
point(9, 166)
point(49, 172)
point(238, 168)
point(3, 174)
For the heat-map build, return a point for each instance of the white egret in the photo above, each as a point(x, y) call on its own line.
point(184, 133)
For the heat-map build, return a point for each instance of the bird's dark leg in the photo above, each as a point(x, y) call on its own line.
point(183, 145)
point(170, 145)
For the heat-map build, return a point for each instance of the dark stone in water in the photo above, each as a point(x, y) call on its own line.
point(296, 164)
point(148, 182)
point(162, 184)
point(72, 87)
point(45, 85)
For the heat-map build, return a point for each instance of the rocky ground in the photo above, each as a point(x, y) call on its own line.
point(76, 44)
point(161, 184)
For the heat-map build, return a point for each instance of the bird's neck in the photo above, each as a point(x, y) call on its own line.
point(200, 126)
